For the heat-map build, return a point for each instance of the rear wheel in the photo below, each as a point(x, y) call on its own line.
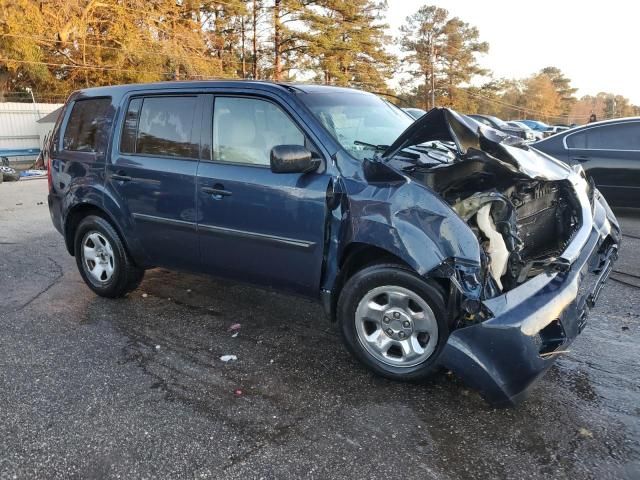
point(102, 259)
point(393, 321)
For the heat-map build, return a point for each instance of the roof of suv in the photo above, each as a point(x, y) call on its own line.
point(189, 84)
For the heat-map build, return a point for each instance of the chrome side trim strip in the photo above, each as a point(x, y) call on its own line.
point(232, 232)
point(165, 221)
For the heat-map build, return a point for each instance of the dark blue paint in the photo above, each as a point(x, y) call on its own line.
point(289, 206)
point(289, 231)
point(500, 359)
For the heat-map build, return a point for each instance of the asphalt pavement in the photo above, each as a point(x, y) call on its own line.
point(134, 388)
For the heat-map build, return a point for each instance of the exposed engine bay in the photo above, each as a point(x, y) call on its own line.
point(523, 222)
point(523, 225)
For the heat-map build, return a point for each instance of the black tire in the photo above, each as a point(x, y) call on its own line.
point(126, 275)
point(379, 275)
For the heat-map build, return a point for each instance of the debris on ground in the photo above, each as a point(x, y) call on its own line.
point(9, 174)
point(33, 174)
point(585, 433)
point(144, 295)
point(235, 326)
point(157, 347)
point(237, 392)
point(234, 335)
point(228, 358)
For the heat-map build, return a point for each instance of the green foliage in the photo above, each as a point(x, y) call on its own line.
point(70, 44)
point(346, 43)
point(56, 46)
point(441, 54)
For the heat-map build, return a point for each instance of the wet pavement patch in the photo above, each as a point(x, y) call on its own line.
point(135, 388)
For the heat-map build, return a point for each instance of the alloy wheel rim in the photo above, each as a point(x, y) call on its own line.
point(97, 257)
point(396, 326)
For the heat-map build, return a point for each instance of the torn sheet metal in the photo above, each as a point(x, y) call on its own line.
point(443, 124)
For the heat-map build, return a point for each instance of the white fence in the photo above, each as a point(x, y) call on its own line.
point(19, 127)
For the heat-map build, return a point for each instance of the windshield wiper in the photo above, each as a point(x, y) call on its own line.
point(431, 153)
point(378, 148)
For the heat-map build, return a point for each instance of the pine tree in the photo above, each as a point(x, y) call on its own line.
point(346, 43)
point(440, 53)
point(457, 58)
point(563, 87)
point(287, 39)
point(422, 36)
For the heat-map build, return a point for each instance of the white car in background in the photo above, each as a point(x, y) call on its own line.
point(557, 129)
point(531, 133)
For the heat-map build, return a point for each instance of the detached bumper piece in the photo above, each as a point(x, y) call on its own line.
point(531, 326)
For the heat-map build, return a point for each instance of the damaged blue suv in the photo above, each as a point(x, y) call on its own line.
point(434, 243)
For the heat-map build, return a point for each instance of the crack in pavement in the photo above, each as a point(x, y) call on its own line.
point(58, 276)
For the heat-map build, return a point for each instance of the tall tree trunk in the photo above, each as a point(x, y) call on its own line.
point(4, 82)
point(84, 58)
point(427, 90)
point(176, 71)
point(433, 75)
point(242, 41)
point(277, 65)
point(255, 38)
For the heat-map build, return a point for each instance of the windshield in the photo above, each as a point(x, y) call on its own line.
point(356, 119)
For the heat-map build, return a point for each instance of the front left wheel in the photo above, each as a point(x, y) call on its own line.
point(393, 321)
point(102, 259)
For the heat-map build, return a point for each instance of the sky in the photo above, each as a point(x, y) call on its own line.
point(593, 42)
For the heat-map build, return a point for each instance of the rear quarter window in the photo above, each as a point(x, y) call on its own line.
point(624, 136)
point(161, 126)
point(88, 125)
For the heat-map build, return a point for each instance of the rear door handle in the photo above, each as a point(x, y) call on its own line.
point(217, 191)
point(121, 177)
point(581, 158)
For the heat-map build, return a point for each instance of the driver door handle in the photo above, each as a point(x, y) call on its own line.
point(120, 176)
point(217, 193)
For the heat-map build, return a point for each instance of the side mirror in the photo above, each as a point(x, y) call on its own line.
point(292, 159)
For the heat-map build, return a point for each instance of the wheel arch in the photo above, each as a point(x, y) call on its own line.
point(80, 211)
point(359, 255)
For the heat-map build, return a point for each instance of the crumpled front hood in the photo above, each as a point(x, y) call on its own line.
point(446, 125)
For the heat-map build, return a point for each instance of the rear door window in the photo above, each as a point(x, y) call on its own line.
point(88, 124)
point(161, 126)
point(622, 136)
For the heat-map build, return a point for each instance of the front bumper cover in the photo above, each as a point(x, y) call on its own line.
point(531, 324)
